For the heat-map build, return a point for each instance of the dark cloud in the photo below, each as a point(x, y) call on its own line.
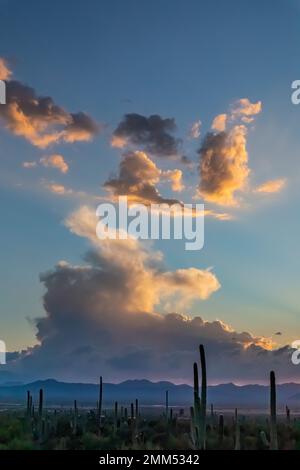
point(153, 133)
point(40, 120)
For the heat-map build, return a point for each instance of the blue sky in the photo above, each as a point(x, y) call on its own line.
point(185, 60)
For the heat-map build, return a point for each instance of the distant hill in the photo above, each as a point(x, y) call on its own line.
point(150, 393)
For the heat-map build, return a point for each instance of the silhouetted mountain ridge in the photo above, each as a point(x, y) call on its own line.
point(150, 393)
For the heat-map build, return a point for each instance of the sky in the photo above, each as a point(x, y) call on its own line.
point(155, 100)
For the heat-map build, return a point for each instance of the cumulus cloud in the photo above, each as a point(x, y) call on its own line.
point(245, 110)
point(175, 178)
point(219, 123)
point(224, 165)
point(271, 186)
point(55, 161)
point(138, 177)
point(40, 120)
point(102, 318)
point(195, 130)
point(154, 134)
point(5, 72)
point(223, 154)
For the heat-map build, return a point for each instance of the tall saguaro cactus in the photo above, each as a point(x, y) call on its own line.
point(197, 406)
point(203, 396)
point(116, 416)
point(100, 405)
point(221, 431)
point(41, 426)
point(75, 418)
point(237, 443)
point(288, 414)
point(28, 403)
point(167, 406)
point(273, 434)
point(41, 401)
point(137, 412)
point(200, 404)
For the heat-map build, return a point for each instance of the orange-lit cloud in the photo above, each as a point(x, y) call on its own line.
point(108, 308)
point(118, 142)
point(223, 155)
point(55, 161)
point(39, 119)
point(138, 177)
point(175, 178)
point(271, 186)
point(152, 286)
point(58, 189)
point(224, 166)
point(5, 72)
point(219, 123)
point(245, 110)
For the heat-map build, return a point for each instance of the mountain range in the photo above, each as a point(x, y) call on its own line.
point(149, 394)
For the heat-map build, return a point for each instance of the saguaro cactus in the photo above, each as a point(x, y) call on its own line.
point(200, 405)
point(203, 396)
point(75, 417)
point(132, 423)
point(28, 403)
point(237, 444)
point(132, 412)
point(41, 427)
point(41, 400)
point(197, 406)
point(273, 433)
point(167, 406)
point(221, 430)
point(116, 416)
point(288, 415)
point(100, 405)
point(193, 427)
point(137, 414)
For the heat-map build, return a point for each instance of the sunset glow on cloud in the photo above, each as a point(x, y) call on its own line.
point(162, 112)
point(272, 186)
